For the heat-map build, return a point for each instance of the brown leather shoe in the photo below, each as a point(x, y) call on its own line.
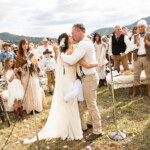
point(134, 92)
point(93, 137)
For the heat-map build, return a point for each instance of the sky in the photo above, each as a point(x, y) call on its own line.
point(50, 18)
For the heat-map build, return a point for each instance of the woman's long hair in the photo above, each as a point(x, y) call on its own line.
point(94, 38)
point(6, 65)
point(22, 41)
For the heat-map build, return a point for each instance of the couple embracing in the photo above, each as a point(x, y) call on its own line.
point(64, 119)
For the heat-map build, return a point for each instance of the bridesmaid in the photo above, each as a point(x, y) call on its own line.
point(21, 62)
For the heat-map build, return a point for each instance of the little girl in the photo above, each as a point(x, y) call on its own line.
point(15, 88)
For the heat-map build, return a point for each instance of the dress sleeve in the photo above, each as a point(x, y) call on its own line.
point(74, 92)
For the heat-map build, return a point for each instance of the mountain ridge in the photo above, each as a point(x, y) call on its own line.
point(109, 30)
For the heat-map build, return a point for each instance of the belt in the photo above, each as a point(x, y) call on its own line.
point(144, 55)
point(48, 71)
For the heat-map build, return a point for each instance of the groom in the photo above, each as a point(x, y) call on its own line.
point(86, 51)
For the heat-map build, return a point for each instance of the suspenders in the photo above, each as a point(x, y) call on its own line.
point(82, 73)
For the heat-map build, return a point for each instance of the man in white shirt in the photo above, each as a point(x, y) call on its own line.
point(141, 56)
point(85, 50)
point(119, 46)
point(39, 52)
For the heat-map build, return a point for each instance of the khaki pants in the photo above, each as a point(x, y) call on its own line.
point(89, 84)
point(123, 60)
point(51, 80)
point(82, 109)
point(138, 65)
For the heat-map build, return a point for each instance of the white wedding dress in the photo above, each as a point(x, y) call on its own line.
point(64, 118)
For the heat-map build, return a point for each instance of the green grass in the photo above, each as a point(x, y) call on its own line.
point(133, 117)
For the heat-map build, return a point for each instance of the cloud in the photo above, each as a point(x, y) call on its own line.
point(53, 17)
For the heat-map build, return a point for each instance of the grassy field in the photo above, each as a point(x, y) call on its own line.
point(133, 117)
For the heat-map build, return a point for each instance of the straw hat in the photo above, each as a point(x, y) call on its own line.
point(44, 40)
point(14, 46)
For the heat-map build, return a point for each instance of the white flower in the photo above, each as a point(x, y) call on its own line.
point(62, 42)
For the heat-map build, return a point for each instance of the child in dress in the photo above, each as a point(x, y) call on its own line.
point(15, 88)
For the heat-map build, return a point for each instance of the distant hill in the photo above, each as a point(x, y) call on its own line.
point(102, 31)
point(14, 39)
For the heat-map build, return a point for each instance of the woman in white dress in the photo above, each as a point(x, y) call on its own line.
point(101, 58)
point(15, 88)
point(64, 118)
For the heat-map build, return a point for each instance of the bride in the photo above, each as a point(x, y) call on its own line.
point(64, 118)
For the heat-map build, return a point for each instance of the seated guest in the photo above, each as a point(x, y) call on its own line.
point(33, 89)
point(141, 56)
point(7, 52)
point(49, 67)
point(119, 46)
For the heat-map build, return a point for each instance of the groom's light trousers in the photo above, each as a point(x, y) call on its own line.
point(90, 84)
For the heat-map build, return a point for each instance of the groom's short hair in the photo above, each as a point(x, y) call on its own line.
point(80, 26)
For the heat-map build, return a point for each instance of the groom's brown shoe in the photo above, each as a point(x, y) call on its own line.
point(93, 137)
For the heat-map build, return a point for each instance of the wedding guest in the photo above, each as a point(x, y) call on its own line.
point(33, 88)
point(7, 52)
point(119, 46)
point(141, 56)
point(101, 58)
point(39, 52)
point(15, 88)
point(50, 66)
point(15, 49)
point(134, 31)
point(55, 47)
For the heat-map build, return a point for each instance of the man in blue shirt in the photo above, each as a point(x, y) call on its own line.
point(6, 52)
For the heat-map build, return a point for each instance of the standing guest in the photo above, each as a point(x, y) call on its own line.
point(119, 46)
point(15, 88)
point(126, 32)
point(15, 49)
point(49, 67)
point(40, 51)
point(7, 52)
point(33, 88)
point(101, 58)
point(141, 56)
point(55, 47)
point(134, 31)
